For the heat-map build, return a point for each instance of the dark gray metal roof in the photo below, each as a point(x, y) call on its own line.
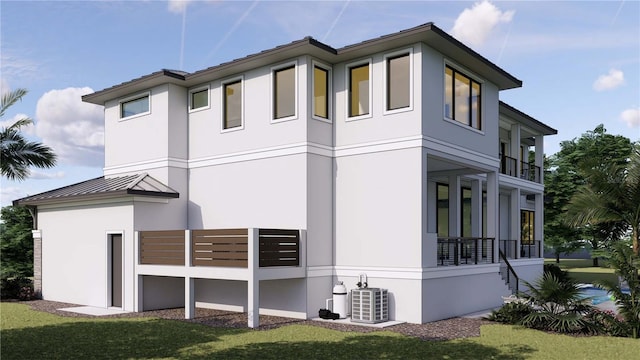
point(100, 188)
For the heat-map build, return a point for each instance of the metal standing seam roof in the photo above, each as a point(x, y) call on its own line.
point(101, 187)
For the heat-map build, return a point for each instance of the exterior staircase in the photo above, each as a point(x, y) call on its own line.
point(509, 275)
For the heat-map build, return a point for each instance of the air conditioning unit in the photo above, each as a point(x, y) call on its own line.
point(369, 305)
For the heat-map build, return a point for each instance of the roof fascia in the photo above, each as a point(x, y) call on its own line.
point(142, 83)
point(439, 40)
point(530, 122)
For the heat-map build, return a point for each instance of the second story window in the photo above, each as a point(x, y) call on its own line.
point(136, 106)
point(320, 92)
point(284, 92)
point(359, 90)
point(462, 98)
point(232, 104)
point(398, 81)
point(199, 99)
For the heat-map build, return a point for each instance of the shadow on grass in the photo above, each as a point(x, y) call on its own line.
point(372, 347)
point(106, 340)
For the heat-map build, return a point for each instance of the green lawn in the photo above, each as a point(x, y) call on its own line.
point(583, 271)
point(28, 334)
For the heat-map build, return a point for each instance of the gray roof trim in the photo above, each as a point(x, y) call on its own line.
point(102, 188)
point(529, 121)
point(146, 81)
point(427, 33)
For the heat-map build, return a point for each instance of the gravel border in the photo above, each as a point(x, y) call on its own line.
point(454, 328)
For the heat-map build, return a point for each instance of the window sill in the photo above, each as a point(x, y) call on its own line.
point(464, 126)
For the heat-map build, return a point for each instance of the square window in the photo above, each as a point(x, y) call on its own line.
point(199, 99)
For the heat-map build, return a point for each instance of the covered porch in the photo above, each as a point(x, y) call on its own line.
point(249, 255)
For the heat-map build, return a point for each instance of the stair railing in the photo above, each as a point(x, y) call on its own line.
point(510, 271)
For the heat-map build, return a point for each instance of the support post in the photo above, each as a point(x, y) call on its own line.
point(189, 298)
point(514, 219)
point(253, 282)
point(37, 261)
point(492, 210)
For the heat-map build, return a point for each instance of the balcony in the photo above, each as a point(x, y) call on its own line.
point(528, 171)
point(455, 251)
point(528, 249)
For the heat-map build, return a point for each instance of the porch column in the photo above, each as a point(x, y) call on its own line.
point(514, 221)
point(515, 147)
point(253, 281)
point(538, 222)
point(540, 156)
point(189, 282)
point(492, 210)
point(138, 280)
point(454, 206)
point(476, 215)
point(37, 261)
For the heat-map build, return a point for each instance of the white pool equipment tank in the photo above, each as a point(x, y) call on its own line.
point(340, 300)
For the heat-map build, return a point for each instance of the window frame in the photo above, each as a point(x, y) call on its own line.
point(386, 59)
point(223, 108)
point(473, 78)
point(272, 92)
point(356, 64)
point(197, 90)
point(329, 71)
point(132, 98)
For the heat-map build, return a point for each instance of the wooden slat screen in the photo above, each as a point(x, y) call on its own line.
point(279, 247)
point(225, 247)
point(162, 247)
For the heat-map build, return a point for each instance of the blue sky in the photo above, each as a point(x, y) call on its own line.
point(579, 60)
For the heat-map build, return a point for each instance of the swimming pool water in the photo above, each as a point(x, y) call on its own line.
point(597, 295)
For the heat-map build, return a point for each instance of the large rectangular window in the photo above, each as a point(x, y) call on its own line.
point(232, 104)
point(462, 98)
point(320, 92)
point(136, 106)
point(359, 90)
point(442, 214)
point(398, 82)
point(284, 92)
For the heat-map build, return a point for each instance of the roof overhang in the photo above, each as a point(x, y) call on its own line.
point(426, 33)
point(536, 126)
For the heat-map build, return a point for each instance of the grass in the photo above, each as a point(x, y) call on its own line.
point(582, 270)
point(28, 334)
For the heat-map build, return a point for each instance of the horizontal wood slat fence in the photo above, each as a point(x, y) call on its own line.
point(220, 247)
point(279, 247)
point(228, 247)
point(162, 247)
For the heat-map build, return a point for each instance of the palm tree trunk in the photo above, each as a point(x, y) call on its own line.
point(635, 234)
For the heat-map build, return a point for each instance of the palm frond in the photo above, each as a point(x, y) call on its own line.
point(11, 98)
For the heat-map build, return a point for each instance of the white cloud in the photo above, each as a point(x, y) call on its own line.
point(609, 81)
point(73, 129)
point(10, 193)
point(178, 6)
point(631, 117)
point(474, 25)
point(39, 175)
point(26, 129)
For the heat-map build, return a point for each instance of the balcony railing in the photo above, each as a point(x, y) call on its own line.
point(508, 166)
point(509, 248)
point(220, 247)
point(465, 251)
point(530, 249)
point(530, 172)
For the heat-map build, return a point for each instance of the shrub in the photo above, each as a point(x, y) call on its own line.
point(510, 313)
point(18, 287)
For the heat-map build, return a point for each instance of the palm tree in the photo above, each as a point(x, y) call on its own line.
point(611, 194)
point(16, 153)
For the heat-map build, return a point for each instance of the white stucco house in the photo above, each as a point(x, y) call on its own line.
point(257, 184)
